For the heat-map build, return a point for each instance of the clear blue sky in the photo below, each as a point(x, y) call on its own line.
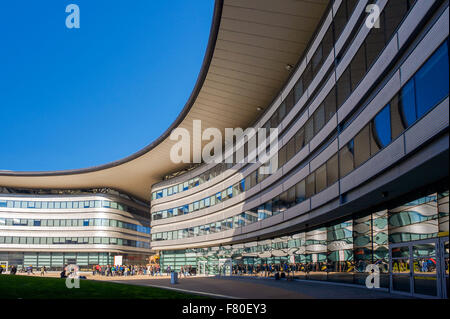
point(74, 98)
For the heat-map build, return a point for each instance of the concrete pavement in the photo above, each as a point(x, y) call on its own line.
point(253, 288)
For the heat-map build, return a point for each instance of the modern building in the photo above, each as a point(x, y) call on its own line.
point(52, 229)
point(359, 93)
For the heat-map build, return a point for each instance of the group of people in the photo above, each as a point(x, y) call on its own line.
point(28, 270)
point(133, 270)
point(119, 270)
point(128, 270)
point(187, 271)
point(291, 268)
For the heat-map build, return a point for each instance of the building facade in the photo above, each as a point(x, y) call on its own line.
point(84, 229)
point(362, 176)
point(358, 91)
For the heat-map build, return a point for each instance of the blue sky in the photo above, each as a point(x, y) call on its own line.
point(74, 98)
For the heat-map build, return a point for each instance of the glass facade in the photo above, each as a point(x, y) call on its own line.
point(85, 222)
point(55, 261)
point(331, 104)
point(338, 251)
point(66, 204)
point(16, 240)
point(390, 18)
point(40, 232)
point(376, 135)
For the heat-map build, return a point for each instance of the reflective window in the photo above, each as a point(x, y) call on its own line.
point(382, 127)
point(375, 42)
point(299, 139)
point(343, 87)
point(394, 12)
point(346, 159)
point(309, 130)
point(310, 185)
point(321, 178)
point(330, 105)
point(340, 19)
point(397, 125)
point(358, 66)
point(300, 191)
point(298, 90)
point(408, 103)
point(319, 118)
point(362, 146)
point(432, 81)
point(332, 170)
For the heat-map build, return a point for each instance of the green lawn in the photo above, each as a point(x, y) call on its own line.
point(14, 287)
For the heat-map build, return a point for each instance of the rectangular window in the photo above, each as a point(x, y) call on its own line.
point(319, 119)
point(307, 76)
point(317, 60)
point(300, 191)
point(321, 178)
point(396, 118)
point(281, 112)
point(298, 90)
point(289, 102)
point(261, 212)
point(274, 120)
point(432, 81)
point(375, 42)
point(358, 67)
point(310, 185)
point(362, 146)
point(282, 203)
point(343, 87)
point(327, 42)
point(381, 127)
point(330, 104)
point(299, 139)
point(394, 12)
point(291, 197)
point(281, 156)
point(340, 20)
point(290, 149)
point(332, 170)
point(346, 155)
point(309, 130)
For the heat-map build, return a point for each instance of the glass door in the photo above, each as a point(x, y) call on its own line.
point(225, 265)
point(425, 267)
point(420, 268)
point(202, 267)
point(400, 268)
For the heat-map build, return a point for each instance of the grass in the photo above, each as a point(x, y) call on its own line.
point(23, 287)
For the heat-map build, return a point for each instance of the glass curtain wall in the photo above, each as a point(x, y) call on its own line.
point(339, 251)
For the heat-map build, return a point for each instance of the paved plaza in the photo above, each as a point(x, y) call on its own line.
point(254, 288)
